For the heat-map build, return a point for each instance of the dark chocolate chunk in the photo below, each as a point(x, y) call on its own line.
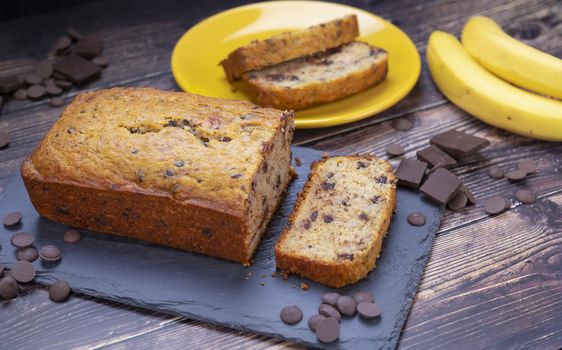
point(330, 298)
point(363, 296)
point(402, 124)
point(23, 271)
point(495, 205)
point(59, 291)
point(361, 164)
point(410, 172)
point(326, 186)
point(363, 217)
point(28, 253)
point(394, 150)
point(77, 69)
point(327, 218)
point(102, 62)
point(329, 311)
point(53, 90)
point(44, 70)
point(459, 144)
point(32, 78)
point(10, 84)
point(22, 239)
point(4, 139)
point(441, 185)
point(12, 219)
point(527, 165)
point(64, 84)
point(87, 47)
point(381, 179)
point(291, 314)
point(525, 196)
point(314, 216)
point(327, 330)
point(495, 172)
point(56, 102)
point(347, 306)
point(313, 321)
point(434, 156)
point(368, 310)
point(416, 219)
point(72, 236)
point(49, 253)
point(20, 94)
point(458, 201)
point(8, 287)
point(516, 175)
point(74, 34)
point(35, 92)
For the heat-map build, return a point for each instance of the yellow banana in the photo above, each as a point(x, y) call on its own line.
point(511, 59)
point(487, 97)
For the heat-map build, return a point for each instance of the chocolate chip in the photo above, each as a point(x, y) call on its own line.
point(363, 296)
point(22, 239)
point(516, 175)
point(44, 70)
point(329, 311)
point(4, 139)
point(469, 195)
point(236, 176)
point(394, 150)
point(361, 165)
point(207, 232)
point(459, 144)
point(53, 90)
point(63, 43)
point(77, 69)
point(28, 253)
point(291, 314)
point(375, 199)
point(101, 61)
point(441, 186)
point(527, 165)
point(36, 92)
point(179, 163)
point(8, 287)
point(314, 216)
point(72, 236)
point(381, 179)
point(368, 310)
point(330, 298)
point(494, 205)
point(32, 78)
point(345, 256)
point(402, 124)
point(363, 217)
point(59, 291)
point(347, 306)
point(74, 34)
point(458, 201)
point(306, 224)
point(87, 47)
point(12, 219)
point(416, 219)
point(327, 218)
point(23, 271)
point(525, 196)
point(50, 253)
point(327, 330)
point(410, 172)
point(326, 186)
point(20, 94)
point(313, 321)
point(495, 172)
point(434, 156)
point(10, 84)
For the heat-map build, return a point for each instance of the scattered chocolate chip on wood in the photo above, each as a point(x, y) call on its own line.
point(8, 287)
point(53, 89)
point(495, 172)
point(23, 271)
point(56, 102)
point(394, 150)
point(22, 239)
point(59, 291)
point(435, 157)
point(327, 330)
point(525, 196)
point(441, 185)
point(459, 144)
point(44, 70)
point(416, 219)
point(291, 314)
point(4, 139)
point(28, 253)
point(20, 94)
point(12, 219)
point(527, 165)
point(495, 205)
point(32, 79)
point(368, 311)
point(410, 172)
point(516, 175)
point(402, 124)
point(36, 92)
point(49, 253)
point(72, 236)
point(469, 196)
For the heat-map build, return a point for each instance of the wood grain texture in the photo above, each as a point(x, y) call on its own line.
point(492, 282)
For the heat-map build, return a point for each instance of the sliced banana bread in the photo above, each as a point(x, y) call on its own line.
point(320, 78)
point(335, 232)
point(289, 45)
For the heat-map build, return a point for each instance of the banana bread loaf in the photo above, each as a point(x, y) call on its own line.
point(320, 78)
point(335, 231)
point(289, 45)
point(182, 170)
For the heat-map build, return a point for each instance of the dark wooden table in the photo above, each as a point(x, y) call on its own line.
point(491, 282)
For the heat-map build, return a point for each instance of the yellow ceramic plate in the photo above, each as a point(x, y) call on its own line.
point(197, 54)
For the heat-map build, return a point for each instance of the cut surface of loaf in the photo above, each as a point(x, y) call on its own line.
point(289, 45)
point(320, 78)
point(336, 229)
point(182, 170)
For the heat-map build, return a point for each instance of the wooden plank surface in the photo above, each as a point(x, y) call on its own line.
point(492, 282)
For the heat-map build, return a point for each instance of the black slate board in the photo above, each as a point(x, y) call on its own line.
point(221, 292)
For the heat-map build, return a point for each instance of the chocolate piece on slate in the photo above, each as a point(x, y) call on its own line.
point(10, 84)
point(416, 219)
point(459, 144)
point(434, 156)
point(410, 172)
point(77, 69)
point(87, 47)
point(441, 185)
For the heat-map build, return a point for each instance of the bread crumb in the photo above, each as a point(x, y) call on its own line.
point(285, 275)
point(325, 154)
point(274, 274)
point(262, 283)
point(263, 275)
point(293, 286)
point(246, 264)
point(304, 286)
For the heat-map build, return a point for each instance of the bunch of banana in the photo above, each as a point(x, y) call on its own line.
point(471, 76)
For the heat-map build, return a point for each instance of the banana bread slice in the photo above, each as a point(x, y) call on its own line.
point(335, 232)
point(288, 45)
point(187, 171)
point(320, 78)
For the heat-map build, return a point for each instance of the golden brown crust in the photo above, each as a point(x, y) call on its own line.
point(289, 45)
point(316, 92)
point(340, 273)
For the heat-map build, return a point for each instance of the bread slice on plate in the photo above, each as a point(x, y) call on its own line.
point(289, 45)
point(320, 78)
point(335, 232)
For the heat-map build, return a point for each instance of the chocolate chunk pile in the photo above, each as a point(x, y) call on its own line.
point(76, 61)
point(334, 307)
